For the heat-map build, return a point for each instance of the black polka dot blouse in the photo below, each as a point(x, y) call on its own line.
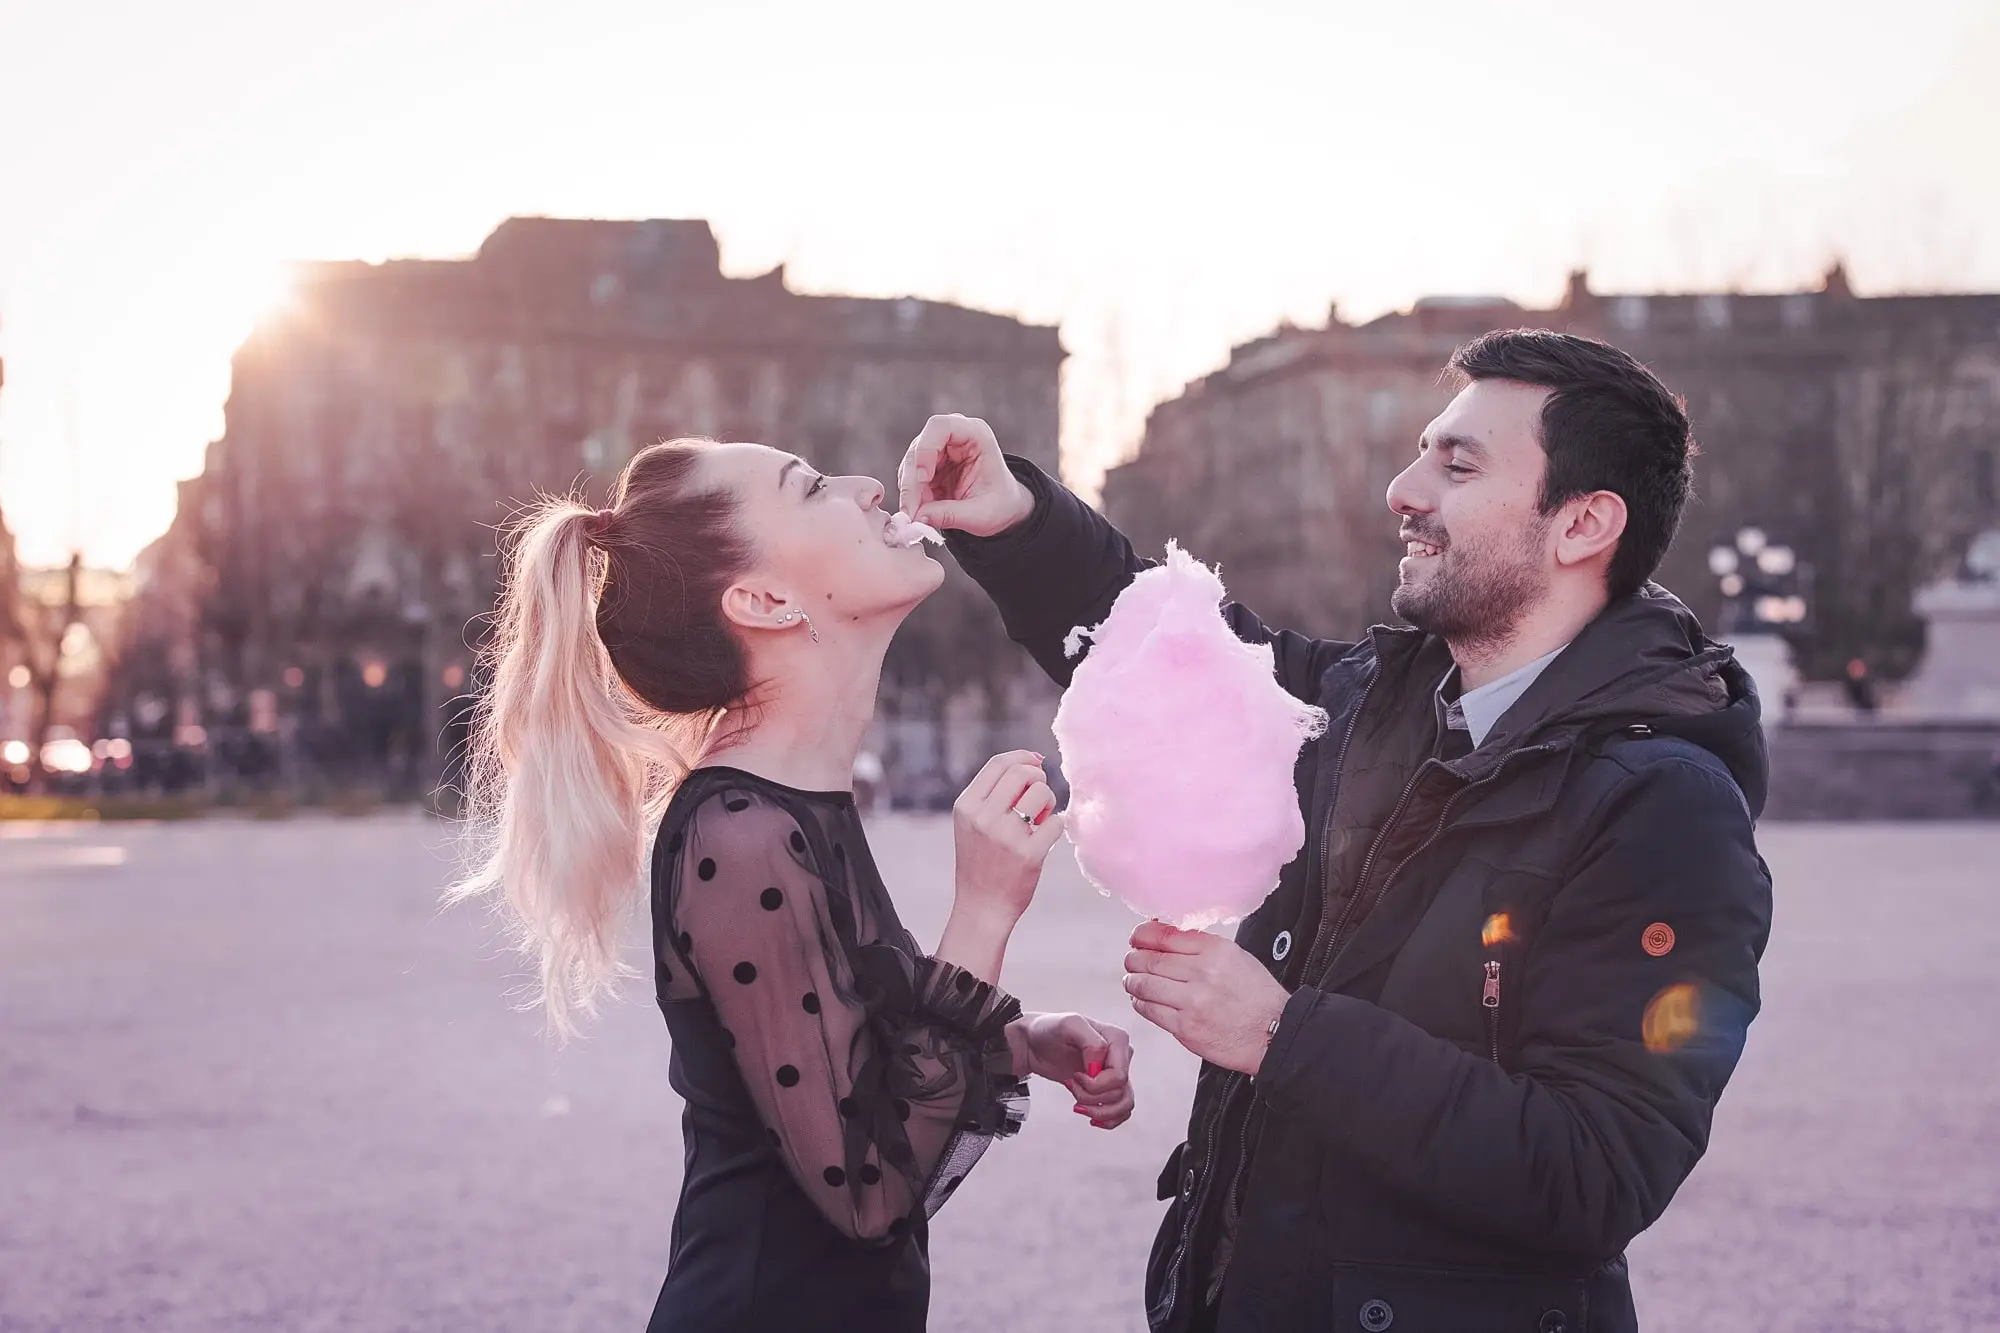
point(840, 1082)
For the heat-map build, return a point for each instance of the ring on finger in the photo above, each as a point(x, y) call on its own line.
point(1024, 817)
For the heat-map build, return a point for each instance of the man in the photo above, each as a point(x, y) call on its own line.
point(1471, 1044)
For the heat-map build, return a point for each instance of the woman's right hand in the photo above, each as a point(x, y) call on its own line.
point(1003, 826)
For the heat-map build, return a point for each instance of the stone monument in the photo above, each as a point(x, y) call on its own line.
point(1767, 658)
point(1959, 677)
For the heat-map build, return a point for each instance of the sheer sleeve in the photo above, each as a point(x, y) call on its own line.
point(881, 1074)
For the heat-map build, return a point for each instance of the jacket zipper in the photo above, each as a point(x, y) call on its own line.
point(1231, 1201)
point(1192, 1207)
point(1490, 993)
point(1326, 830)
point(1490, 997)
point(1196, 1198)
point(1243, 1142)
point(1229, 1087)
point(1332, 945)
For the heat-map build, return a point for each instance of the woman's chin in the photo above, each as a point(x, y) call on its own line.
point(908, 593)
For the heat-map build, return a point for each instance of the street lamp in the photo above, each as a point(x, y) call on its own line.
point(1777, 561)
point(1765, 587)
point(1762, 582)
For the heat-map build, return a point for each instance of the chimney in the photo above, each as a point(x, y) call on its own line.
point(1577, 293)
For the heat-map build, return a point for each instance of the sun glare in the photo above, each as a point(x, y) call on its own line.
point(253, 296)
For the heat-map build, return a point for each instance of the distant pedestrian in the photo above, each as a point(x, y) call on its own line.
point(1860, 686)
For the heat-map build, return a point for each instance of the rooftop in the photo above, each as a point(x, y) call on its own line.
point(651, 279)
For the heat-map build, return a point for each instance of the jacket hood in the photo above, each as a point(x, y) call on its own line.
point(1645, 659)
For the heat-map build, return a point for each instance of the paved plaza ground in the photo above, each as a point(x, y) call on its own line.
point(252, 1078)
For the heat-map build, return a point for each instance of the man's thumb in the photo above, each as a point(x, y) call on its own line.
point(941, 514)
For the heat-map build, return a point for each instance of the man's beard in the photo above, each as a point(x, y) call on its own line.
point(1476, 595)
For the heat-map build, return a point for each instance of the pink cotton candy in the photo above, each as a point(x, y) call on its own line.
point(1179, 745)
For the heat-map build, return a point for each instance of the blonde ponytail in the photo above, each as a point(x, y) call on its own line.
point(568, 771)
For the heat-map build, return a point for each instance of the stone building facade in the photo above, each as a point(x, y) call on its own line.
point(1863, 431)
point(326, 574)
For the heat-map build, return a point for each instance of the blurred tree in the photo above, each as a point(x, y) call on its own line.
point(39, 631)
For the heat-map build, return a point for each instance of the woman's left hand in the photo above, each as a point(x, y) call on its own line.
point(1065, 1048)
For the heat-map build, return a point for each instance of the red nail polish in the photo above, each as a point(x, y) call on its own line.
point(1079, 1110)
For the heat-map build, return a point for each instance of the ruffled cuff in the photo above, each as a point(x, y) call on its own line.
point(1004, 1108)
point(955, 999)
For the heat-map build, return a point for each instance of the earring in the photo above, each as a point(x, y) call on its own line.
point(791, 616)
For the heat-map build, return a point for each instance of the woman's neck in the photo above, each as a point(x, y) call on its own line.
point(807, 725)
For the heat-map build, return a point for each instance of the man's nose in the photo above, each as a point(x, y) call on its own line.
point(1407, 494)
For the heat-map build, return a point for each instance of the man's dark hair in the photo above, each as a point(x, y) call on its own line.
point(1609, 425)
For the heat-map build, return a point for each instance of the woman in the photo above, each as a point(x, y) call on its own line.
point(706, 653)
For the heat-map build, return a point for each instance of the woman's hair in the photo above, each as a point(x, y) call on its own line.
point(609, 665)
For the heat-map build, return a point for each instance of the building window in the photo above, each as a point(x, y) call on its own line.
point(1629, 312)
point(1712, 311)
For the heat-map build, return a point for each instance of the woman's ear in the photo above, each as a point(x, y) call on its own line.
point(1590, 527)
point(749, 605)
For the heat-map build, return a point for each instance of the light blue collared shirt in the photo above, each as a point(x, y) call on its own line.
point(1475, 711)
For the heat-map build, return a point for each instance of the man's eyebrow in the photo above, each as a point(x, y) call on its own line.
point(1463, 445)
point(786, 471)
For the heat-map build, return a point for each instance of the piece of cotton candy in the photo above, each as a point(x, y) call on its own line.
point(1179, 747)
point(906, 531)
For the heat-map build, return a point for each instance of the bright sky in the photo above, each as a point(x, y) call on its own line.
point(1164, 179)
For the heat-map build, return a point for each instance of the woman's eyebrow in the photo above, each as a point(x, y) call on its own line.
point(786, 471)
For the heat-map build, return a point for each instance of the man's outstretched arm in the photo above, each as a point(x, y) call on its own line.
point(1049, 561)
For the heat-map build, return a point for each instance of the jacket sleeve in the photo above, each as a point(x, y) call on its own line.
point(1065, 565)
point(1621, 1050)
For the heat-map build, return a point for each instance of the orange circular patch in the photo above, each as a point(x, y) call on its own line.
point(1658, 939)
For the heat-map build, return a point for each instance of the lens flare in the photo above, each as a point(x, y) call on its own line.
point(1499, 929)
point(1672, 1019)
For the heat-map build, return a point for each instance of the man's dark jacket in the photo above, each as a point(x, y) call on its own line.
point(1520, 977)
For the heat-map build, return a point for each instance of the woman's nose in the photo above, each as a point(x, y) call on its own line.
point(869, 493)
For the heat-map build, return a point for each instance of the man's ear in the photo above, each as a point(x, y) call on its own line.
point(1589, 527)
